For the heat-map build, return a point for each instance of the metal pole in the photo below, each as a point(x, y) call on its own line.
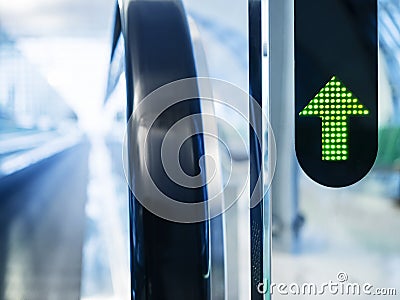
point(281, 96)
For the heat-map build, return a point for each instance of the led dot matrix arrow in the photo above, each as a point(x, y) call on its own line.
point(334, 104)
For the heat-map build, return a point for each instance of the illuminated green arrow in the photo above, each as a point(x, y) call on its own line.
point(333, 104)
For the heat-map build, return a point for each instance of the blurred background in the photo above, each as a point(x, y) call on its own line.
point(63, 194)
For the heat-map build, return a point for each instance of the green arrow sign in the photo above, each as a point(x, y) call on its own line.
point(334, 104)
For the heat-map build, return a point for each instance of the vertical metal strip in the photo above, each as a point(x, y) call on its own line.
point(281, 94)
point(255, 87)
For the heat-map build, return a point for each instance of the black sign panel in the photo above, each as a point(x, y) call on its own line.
point(336, 89)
